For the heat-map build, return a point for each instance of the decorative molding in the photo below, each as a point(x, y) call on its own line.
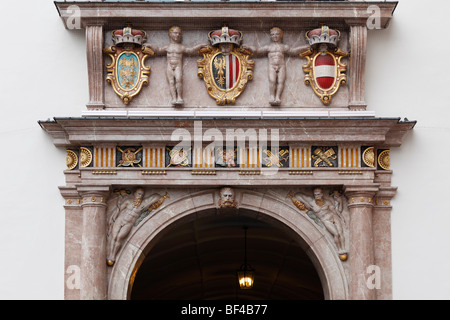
point(104, 172)
point(350, 172)
point(204, 14)
point(153, 172)
point(301, 172)
point(249, 172)
point(203, 172)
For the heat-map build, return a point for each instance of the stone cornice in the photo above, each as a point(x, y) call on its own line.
point(387, 132)
point(241, 15)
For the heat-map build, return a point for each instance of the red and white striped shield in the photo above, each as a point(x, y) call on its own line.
point(325, 70)
point(226, 70)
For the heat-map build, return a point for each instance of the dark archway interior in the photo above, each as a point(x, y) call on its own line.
point(198, 259)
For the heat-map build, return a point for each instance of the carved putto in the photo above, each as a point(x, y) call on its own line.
point(225, 66)
point(325, 72)
point(276, 52)
point(329, 211)
point(174, 70)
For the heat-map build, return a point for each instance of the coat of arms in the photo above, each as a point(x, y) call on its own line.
point(127, 72)
point(324, 70)
point(225, 66)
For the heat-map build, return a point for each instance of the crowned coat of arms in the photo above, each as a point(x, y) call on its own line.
point(127, 72)
point(225, 67)
point(325, 72)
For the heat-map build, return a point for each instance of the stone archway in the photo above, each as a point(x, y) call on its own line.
point(264, 205)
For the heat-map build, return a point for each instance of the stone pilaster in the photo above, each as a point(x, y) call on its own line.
point(361, 255)
point(94, 52)
point(382, 233)
point(93, 243)
point(357, 69)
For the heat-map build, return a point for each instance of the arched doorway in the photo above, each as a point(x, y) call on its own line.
point(302, 243)
point(198, 260)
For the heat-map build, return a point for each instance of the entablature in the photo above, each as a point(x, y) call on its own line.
point(243, 15)
point(72, 132)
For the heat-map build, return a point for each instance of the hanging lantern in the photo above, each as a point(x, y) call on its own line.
point(246, 274)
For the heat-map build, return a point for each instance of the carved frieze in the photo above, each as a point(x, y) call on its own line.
point(343, 157)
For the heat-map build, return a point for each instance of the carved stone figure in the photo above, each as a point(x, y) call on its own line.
point(227, 198)
point(326, 213)
point(174, 71)
point(340, 206)
point(276, 52)
point(124, 215)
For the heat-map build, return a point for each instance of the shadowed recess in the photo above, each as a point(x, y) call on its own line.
point(198, 260)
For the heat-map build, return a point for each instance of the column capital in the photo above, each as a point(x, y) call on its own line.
point(93, 195)
point(362, 195)
point(384, 197)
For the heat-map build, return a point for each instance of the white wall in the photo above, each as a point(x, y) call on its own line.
point(43, 75)
point(408, 75)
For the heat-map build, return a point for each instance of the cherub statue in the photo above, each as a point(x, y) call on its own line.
point(276, 52)
point(174, 70)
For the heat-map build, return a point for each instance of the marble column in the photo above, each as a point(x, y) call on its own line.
point(93, 283)
point(94, 52)
point(361, 253)
point(357, 68)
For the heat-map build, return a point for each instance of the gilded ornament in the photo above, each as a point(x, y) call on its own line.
point(85, 157)
point(178, 157)
point(384, 160)
point(343, 257)
point(225, 67)
point(129, 157)
point(71, 160)
point(226, 157)
point(300, 205)
point(324, 157)
point(369, 157)
point(325, 71)
point(279, 159)
point(127, 72)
